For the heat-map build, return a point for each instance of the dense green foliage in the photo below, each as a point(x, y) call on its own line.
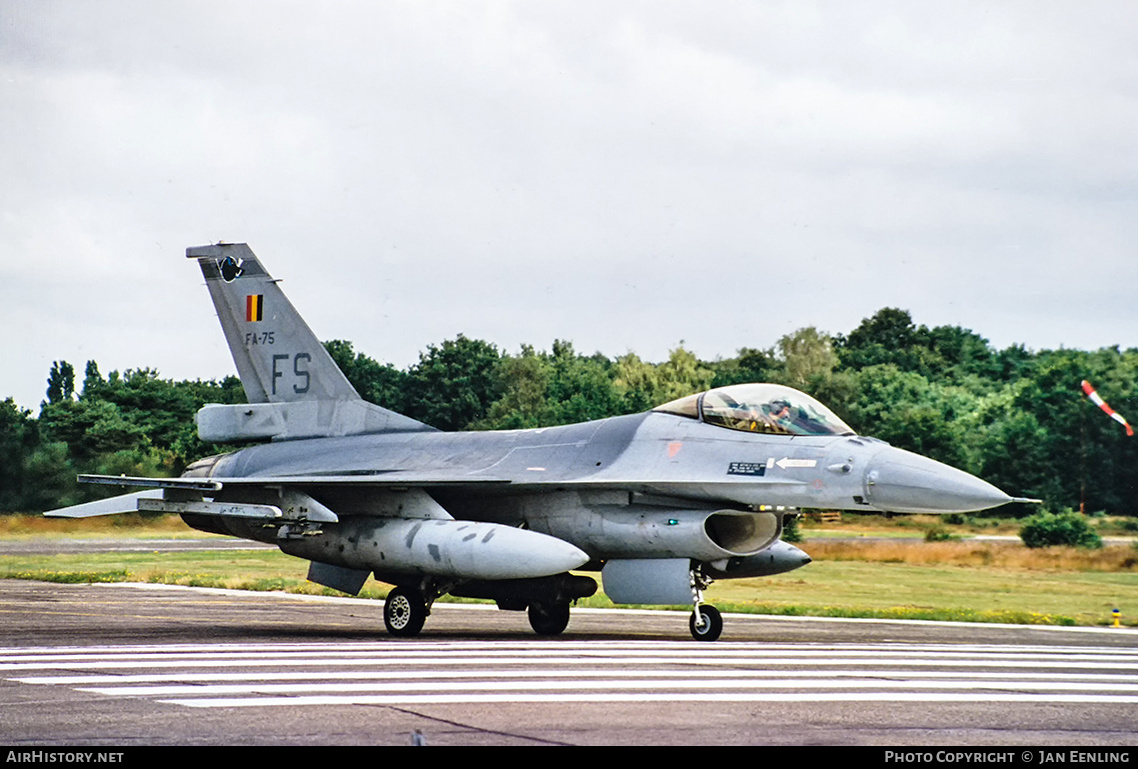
point(132, 423)
point(1014, 417)
point(1068, 528)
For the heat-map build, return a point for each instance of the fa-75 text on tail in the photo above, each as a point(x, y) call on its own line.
point(660, 503)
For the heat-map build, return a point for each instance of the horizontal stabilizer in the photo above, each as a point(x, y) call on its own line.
point(154, 501)
point(181, 496)
point(127, 503)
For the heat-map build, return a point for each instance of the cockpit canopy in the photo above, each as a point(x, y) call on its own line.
point(762, 408)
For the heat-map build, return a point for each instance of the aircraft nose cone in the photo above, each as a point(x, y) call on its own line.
point(900, 481)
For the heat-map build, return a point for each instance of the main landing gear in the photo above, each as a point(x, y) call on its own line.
point(407, 608)
point(706, 623)
point(404, 612)
point(549, 618)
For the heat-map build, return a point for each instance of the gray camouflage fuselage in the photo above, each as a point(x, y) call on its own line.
point(617, 487)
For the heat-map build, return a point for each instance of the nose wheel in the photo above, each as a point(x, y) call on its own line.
point(706, 623)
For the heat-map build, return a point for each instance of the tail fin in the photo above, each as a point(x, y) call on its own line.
point(280, 361)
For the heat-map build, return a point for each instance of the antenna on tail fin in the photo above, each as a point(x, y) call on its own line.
point(294, 388)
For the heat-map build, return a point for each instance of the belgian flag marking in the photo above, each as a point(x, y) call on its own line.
point(254, 307)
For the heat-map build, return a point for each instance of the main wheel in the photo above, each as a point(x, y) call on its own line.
point(711, 625)
point(404, 612)
point(549, 618)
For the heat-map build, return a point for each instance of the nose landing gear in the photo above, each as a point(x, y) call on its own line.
point(706, 623)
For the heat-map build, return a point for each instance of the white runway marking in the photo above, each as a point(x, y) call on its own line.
point(394, 673)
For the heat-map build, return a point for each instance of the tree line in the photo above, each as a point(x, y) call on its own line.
point(1014, 417)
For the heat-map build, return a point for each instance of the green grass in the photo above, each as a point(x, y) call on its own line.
point(824, 588)
point(957, 593)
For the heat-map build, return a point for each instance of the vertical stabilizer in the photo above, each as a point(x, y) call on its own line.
point(279, 359)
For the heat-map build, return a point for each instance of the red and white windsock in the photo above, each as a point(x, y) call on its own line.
point(1095, 399)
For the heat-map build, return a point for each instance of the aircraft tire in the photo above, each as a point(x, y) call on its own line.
point(404, 612)
point(549, 618)
point(712, 624)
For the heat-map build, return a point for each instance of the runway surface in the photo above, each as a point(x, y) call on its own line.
point(155, 665)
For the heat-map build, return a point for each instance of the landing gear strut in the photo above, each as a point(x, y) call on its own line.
point(706, 623)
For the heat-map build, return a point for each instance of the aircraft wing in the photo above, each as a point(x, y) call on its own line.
point(286, 498)
point(189, 484)
point(392, 478)
point(189, 495)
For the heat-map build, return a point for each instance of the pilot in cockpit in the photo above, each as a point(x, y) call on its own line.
point(778, 415)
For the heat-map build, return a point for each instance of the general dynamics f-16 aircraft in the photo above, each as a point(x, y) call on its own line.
point(661, 503)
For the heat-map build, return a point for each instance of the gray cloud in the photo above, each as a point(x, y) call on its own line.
point(623, 177)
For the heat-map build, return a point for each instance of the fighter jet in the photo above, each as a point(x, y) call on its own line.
point(660, 503)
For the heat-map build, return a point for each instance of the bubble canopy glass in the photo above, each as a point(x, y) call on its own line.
point(762, 408)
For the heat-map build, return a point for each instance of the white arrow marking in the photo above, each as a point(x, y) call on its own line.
point(786, 462)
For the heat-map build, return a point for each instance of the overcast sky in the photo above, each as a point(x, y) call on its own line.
point(623, 175)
